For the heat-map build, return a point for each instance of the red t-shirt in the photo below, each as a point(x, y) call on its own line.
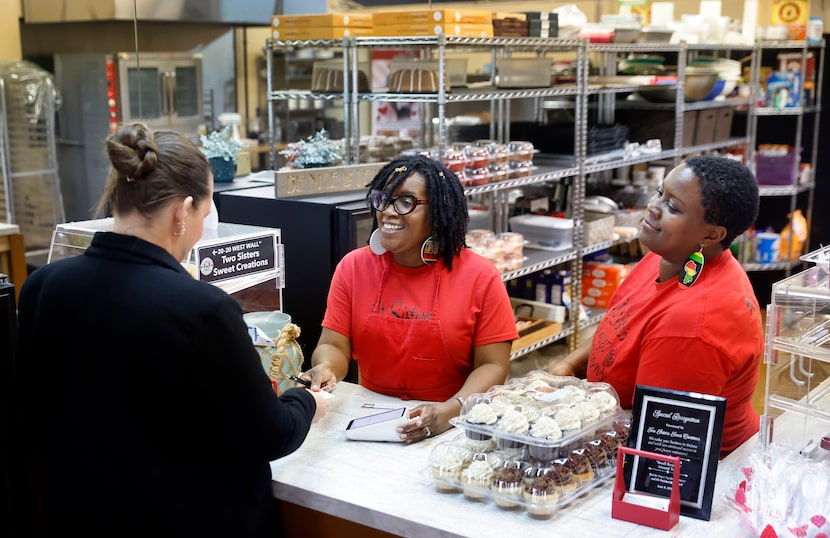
point(471, 302)
point(707, 338)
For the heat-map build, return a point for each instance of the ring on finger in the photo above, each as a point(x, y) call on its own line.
point(429, 433)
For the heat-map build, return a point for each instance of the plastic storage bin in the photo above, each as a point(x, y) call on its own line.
point(775, 169)
point(524, 73)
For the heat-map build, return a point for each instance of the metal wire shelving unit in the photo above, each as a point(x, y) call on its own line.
point(577, 94)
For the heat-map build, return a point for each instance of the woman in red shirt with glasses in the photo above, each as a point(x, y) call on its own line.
point(424, 316)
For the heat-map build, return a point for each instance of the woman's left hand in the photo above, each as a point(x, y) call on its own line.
point(428, 420)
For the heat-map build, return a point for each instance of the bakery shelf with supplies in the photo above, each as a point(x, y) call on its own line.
point(787, 115)
point(575, 96)
point(436, 48)
point(678, 106)
point(294, 111)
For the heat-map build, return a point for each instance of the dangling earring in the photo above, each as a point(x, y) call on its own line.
point(374, 243)
point(429, 250)
point(692, 269)
point(182, 229)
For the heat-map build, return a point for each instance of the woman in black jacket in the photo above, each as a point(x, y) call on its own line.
point(144, 406)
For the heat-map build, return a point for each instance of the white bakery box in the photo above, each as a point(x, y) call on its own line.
point(556, 233)
point(247, 262)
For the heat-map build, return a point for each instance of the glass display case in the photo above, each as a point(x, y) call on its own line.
point(246, 261)
point(797, 357)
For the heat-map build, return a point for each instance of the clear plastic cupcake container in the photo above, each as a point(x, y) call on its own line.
point(560, 413)
point(446, 463)
point(559, 462)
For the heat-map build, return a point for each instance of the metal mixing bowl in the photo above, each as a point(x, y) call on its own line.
point(699, 83)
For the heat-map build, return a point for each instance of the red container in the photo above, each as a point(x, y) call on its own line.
point(775, 169)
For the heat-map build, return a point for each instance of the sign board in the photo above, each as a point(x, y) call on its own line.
point(325, 180)
point(683, 424)
point(235, 257)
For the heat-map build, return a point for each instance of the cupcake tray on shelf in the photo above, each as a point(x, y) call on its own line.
point(534, 444)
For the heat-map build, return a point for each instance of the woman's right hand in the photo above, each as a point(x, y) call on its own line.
point(322, 378)
point(322, 406)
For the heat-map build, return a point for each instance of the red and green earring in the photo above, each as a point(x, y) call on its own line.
point(692, 269)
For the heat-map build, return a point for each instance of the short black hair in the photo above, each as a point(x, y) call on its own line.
point(447, 208)
point(729, 193)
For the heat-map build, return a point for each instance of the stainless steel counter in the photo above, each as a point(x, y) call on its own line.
point(386, 486)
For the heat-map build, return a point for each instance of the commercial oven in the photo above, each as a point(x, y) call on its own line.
point(99, 91)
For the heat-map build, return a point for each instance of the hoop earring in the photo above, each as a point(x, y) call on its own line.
point(692, 269)
point(374, 243)
point(182, 230)
point(429, 250)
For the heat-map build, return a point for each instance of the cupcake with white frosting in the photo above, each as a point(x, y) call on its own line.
point(513, 422)
point(568, 418)
point(605, 403)
point(588, 411)
point(481, 414)
point(447, 464)
point(476, 478)
point(545, 429)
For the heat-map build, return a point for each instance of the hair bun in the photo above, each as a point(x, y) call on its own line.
point(133, 151)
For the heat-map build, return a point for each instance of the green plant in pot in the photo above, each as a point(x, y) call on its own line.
point(222, 151)
point(317, 151)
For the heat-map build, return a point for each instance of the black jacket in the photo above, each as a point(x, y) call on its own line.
point(145, 407)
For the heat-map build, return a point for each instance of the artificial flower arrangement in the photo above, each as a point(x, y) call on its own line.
point(220, 144)
point(318, 150)
point(222, 152)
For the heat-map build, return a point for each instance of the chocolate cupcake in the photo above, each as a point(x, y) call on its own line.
point(562, 476)
point(580, 466)
point(541, 495)
point(596, 454)
point(508, 483)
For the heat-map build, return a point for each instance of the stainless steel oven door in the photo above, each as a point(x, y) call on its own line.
point(163, 90)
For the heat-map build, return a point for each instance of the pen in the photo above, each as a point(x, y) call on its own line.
point(371, 405)
point(304, 382)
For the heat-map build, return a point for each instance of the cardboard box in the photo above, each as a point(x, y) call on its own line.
point(600, 281)
point(705, 126)
point(322, 32)
point(646, 125)
point(441, 16)
point(609, 272)
point(430, 29)
point(723, 123)
point(346, 20)
point(535, 331)
point(538, 310)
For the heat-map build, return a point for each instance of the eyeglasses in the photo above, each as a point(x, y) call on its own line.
point(403, 204)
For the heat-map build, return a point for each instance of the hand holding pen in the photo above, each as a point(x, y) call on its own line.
point(300, 381)
point(320, 379)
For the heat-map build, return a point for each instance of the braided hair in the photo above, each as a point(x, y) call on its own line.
point(447, 204)
point(729, 193)
point(148, 169)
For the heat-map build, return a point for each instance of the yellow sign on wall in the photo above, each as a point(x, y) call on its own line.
point(793, 14)
point(790, 12)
